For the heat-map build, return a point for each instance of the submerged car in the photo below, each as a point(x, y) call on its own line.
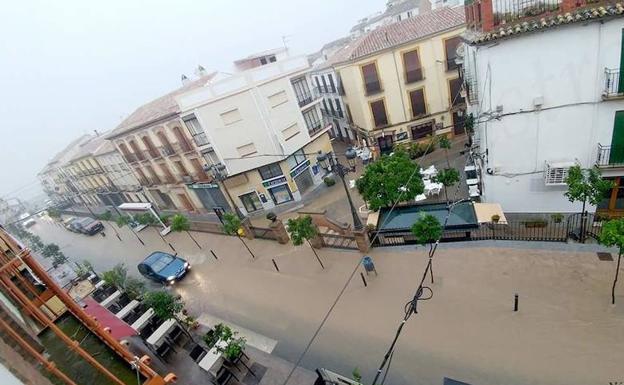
point(163, 267)
point(90, 226)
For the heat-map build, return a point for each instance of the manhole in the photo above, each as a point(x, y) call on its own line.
point(605, 256)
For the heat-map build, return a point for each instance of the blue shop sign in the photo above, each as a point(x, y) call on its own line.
point(274, 182)
point(301, 167)
point(203, 185)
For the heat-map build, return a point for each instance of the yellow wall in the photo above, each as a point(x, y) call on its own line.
point(395, 92)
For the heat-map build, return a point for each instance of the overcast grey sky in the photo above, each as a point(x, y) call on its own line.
point(69, 67)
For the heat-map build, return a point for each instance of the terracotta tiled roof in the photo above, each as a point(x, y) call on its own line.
point(158, 108)
point(577, 16)
point(402, 32)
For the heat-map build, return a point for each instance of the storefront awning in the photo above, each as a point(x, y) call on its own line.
point(485, 211)
point(135, 206)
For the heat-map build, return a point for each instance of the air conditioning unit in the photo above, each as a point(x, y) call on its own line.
point(555, 174)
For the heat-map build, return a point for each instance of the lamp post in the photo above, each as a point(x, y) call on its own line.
point(219, 172)
point(330, 163)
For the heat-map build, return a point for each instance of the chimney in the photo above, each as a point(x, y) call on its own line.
point(185, 80)
point(200, 71)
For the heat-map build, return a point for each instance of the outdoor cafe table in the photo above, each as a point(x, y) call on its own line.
point(110, 299)
point(212, 357)
point(127, 309)
point(159, 334)
point(143, 319)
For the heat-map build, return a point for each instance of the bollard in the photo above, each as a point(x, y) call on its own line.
point(214, 255)
point(275, 264)
point(516, 302)
point(363, 279)
point(172, 248)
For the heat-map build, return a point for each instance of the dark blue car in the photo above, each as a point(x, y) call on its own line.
point(163, 267)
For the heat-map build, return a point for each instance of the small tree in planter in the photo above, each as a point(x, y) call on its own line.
point(613, 235)
point(117, 276)
point(586, 186)
point(232, 226)
point(448, 177)
point(445, 143)
point(50, 250)
point(427, 229)
point(181, 223)
point(302, 229)
point(134, 288)
point(122, 220)
point(329, 181)
point(166, 306)
point(233, 349)
point(58, 259)
point(495, 218)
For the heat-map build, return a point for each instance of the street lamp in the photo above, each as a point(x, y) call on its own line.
point(329, 163)
point(219, 172)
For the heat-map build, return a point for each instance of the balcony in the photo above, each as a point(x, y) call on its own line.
point(329, 90)
point(610, 156)
point(308, 97)
point(182, 147)
point(332, 114)
point(130, 158)
point(201, 139)
point(167, 150)
point(612, 88)
point(318, 126)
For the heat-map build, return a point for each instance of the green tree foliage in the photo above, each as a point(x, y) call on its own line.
point(82, 268)
point(117, 276)
point(231, 223)
point(146, 218)
point(122, 220)
point(427, 229)
point(180, 223)
point(448, 177)
point(612, 235)
point(165, 304)
point(58, 259)
point(50, 250)
point(390, 179)
point(107, 216)
point(54, 213)
point(134, 287)
point(166, 219)
point(586, 186)
point(445, 143)
point(301, 229)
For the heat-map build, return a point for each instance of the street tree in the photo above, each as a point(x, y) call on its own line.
point(166, 306)
point(302, 229)
point(389, 180)
point(181, 223)
point(232, 226)
point(448, 177)
point(54, 213)
point(122, 220)
point(50, 250)
point(445, 143)
point(612, 235)
point(117, 276)
point(427, 229)
point(107, 216)
point(134, 287)
point(58, 259)
point(586, 186)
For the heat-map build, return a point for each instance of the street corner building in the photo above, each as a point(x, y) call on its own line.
point(401, 82)
point(544, 83)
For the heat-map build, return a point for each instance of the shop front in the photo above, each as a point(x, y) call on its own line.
point(302, 176)
point(278, 190)
point(210, 195)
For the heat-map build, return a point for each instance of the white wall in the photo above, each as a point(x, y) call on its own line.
point(564, 67)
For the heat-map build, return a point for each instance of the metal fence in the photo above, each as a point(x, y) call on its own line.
point(339, 241)
point(556, 228)
point(506, 11)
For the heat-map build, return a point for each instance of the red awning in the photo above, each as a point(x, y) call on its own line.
point(119, 329)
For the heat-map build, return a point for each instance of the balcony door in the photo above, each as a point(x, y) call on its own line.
point(616, 156)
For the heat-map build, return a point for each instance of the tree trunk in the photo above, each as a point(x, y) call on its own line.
point(583, 219)
point(184, 329)
point(247, 247)
point(617, 272)
point(448, 162)
point(315, 254)
point(190, 236)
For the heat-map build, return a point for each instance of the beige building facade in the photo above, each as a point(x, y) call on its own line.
point(401, 81)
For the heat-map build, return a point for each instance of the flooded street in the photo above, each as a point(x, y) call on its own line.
point(564, 305)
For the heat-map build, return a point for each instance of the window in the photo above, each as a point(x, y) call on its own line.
point(196, 131)
point(272, 59)
point(278, 99)
point(231, 117)
point(413, 69)
point(422, 130)
point(331, 82)
point(251, 201)
point(455, 86)
point(417, 102)
point(378, 109)
point(270, 171)
point(302, 91)
point(181, 169)
point(338, 108)
point(296, 159)
point(450, 47)
point(280, 194)
point(247, 149)
point(313, 123)
point(290, 131)
point(318, 84)
point(263, 60)
point(325, 88)
point(349, 116)
point(371, 79)
point(409, 14)
point(210, 157)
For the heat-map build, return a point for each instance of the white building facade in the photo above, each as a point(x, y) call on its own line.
point(545, 96)
point(327, 83)
point(265, 125)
